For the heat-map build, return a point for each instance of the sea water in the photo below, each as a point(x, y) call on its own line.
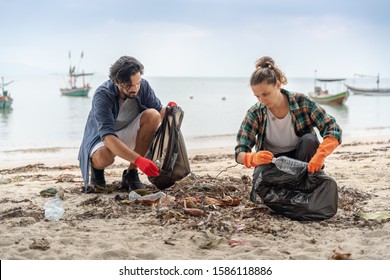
point(43, 123)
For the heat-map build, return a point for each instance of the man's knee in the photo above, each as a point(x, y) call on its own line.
point(151, 117)
point(152, 114)
point(102, 158)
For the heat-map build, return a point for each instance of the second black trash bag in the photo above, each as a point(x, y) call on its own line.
point(168, 150)
point(303, 196)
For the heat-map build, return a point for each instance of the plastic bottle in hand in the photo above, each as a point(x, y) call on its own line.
point(289, 165)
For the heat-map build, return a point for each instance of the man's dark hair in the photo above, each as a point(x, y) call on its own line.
point(125, 67)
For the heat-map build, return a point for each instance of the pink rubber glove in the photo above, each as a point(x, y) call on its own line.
point(147, 166)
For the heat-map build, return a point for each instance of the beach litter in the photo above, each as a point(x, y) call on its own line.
point(40, 244)
point(49, 192)
point(378, 215)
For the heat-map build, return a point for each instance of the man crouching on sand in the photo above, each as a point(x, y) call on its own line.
point(124, 117)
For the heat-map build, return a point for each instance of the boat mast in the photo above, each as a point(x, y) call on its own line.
point(3, 85)
point(370, 76)
point(377, 81)
point(78, 67)
point(70, 81)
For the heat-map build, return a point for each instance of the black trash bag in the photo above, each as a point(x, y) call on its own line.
point(168, 150)
point(303, 196)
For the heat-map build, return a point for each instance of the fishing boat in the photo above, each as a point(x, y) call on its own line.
point(73, 89)
point(369, 91)
point(5, 100)
point(330, 96)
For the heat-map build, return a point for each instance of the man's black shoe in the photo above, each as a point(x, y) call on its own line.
point(131, 180)
point(97, 178)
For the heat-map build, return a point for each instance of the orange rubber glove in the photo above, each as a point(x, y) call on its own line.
point(255, 159)
point(325, 149)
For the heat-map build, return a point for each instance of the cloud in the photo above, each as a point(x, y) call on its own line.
point(198, 38)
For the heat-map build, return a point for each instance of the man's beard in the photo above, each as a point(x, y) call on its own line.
point(132, 95)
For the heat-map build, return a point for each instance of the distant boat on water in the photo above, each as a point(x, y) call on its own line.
point(369, 91)
point(323, 95)
point(73, 89)
point(6, 100)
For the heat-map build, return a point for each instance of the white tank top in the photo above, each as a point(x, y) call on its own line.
point(280, 136)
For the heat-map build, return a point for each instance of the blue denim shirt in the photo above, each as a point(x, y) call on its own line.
point(101, 118)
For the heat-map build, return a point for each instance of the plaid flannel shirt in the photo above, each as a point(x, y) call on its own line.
point(305, 113)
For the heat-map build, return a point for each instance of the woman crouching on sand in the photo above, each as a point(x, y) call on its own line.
point(282, 123)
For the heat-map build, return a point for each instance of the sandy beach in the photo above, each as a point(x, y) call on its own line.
point(226, 224)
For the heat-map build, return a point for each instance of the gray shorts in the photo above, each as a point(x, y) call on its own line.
point(127, 135)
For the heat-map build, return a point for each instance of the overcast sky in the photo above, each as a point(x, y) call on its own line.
point(204, 38)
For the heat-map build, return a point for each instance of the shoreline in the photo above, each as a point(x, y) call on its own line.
point(68, 155)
